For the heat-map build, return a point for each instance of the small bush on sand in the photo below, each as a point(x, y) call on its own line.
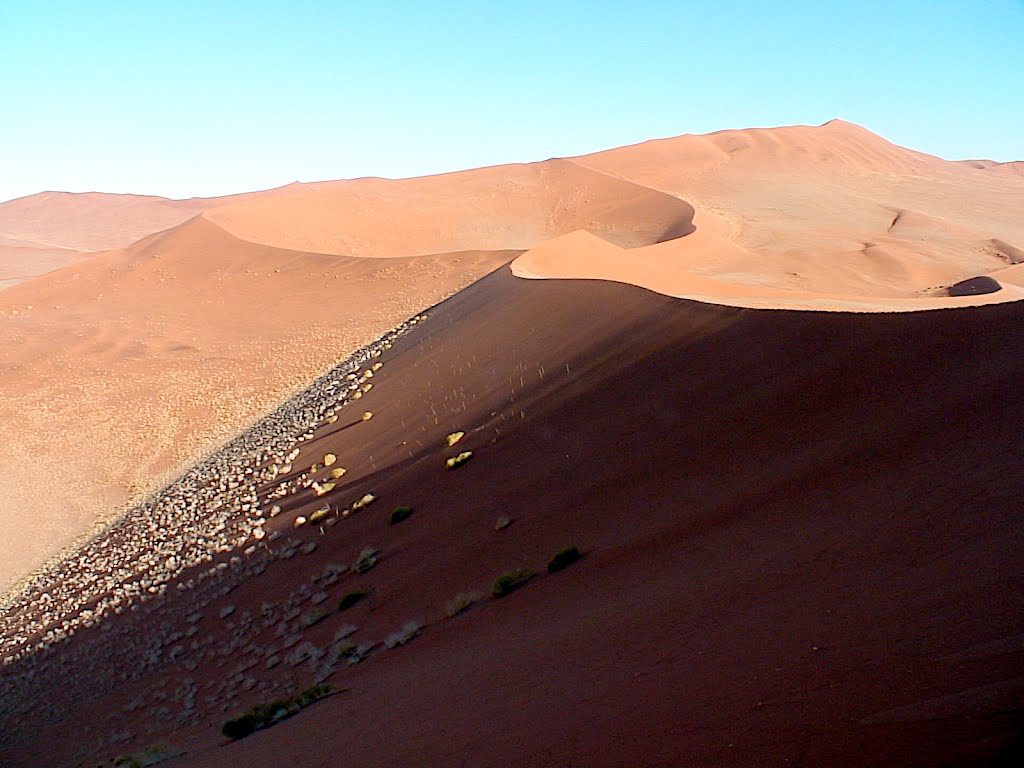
point(400, 514)
point(461, 602)
point(365, 501)
point(366, 560)
point(319, 515)
point(509, 582)
point(266, 715)
point(564, 559)
point(312, 695)
point(408, 631)
point(351, 599)
point(240, 727)
point(149, 756)
point(458, 461)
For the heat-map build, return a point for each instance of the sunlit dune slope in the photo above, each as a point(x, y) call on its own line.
point(503, 207)
point(90, 221)
point(123, 369)
point(832, 209)
point(50, 230)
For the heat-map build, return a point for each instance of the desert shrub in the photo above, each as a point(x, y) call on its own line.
point(239, 727)
point(458, 461)
point(366, 560)
point(351, 599)
point(408, 631)
point(266, 715)
point(365, 501)
point(319, 515)
point(509, 582)
point(321, 489)
point(563, 559)
point(400, 514)
point(461, 602)
point(312, 616)
point(153, 755)
point(312, 694)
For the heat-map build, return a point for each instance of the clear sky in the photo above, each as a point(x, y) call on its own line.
point(183, 98)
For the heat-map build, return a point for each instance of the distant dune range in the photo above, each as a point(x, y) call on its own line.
point(124, 366)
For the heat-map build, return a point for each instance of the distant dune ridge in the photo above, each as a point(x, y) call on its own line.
point(769, 465)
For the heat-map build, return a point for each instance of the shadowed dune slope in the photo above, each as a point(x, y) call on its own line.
point(801, 536)
point(124, 369)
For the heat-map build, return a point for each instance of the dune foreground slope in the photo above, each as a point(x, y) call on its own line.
point(800, 537)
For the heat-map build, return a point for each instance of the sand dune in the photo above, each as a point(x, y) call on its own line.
point(799, 528)
point(125, 368)
point(50, 230)
point(829, 210)
point(501, 208)
point(228, 304)
point(799, 536)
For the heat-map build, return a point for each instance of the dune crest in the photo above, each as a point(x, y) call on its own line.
point(826, 217)
point(673, 268)
point(499, 208)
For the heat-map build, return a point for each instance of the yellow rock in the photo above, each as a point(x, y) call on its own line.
point(356, 395)
point(378, 366)
point(332, 419)
point(338, 472)
point(329, 459)
point(367, 415)
point(453, 438)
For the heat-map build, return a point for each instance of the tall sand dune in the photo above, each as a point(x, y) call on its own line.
point(801, 522)
point(124, 369)
point(800, 536)
point(146, 357)
point(506, 207)
point(43, 232)
point(832, 209)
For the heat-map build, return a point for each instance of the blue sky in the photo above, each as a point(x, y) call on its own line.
point(202, 98)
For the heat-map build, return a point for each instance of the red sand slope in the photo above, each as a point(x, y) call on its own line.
point(160, 351)
point(801, 535)
point(122, 370)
